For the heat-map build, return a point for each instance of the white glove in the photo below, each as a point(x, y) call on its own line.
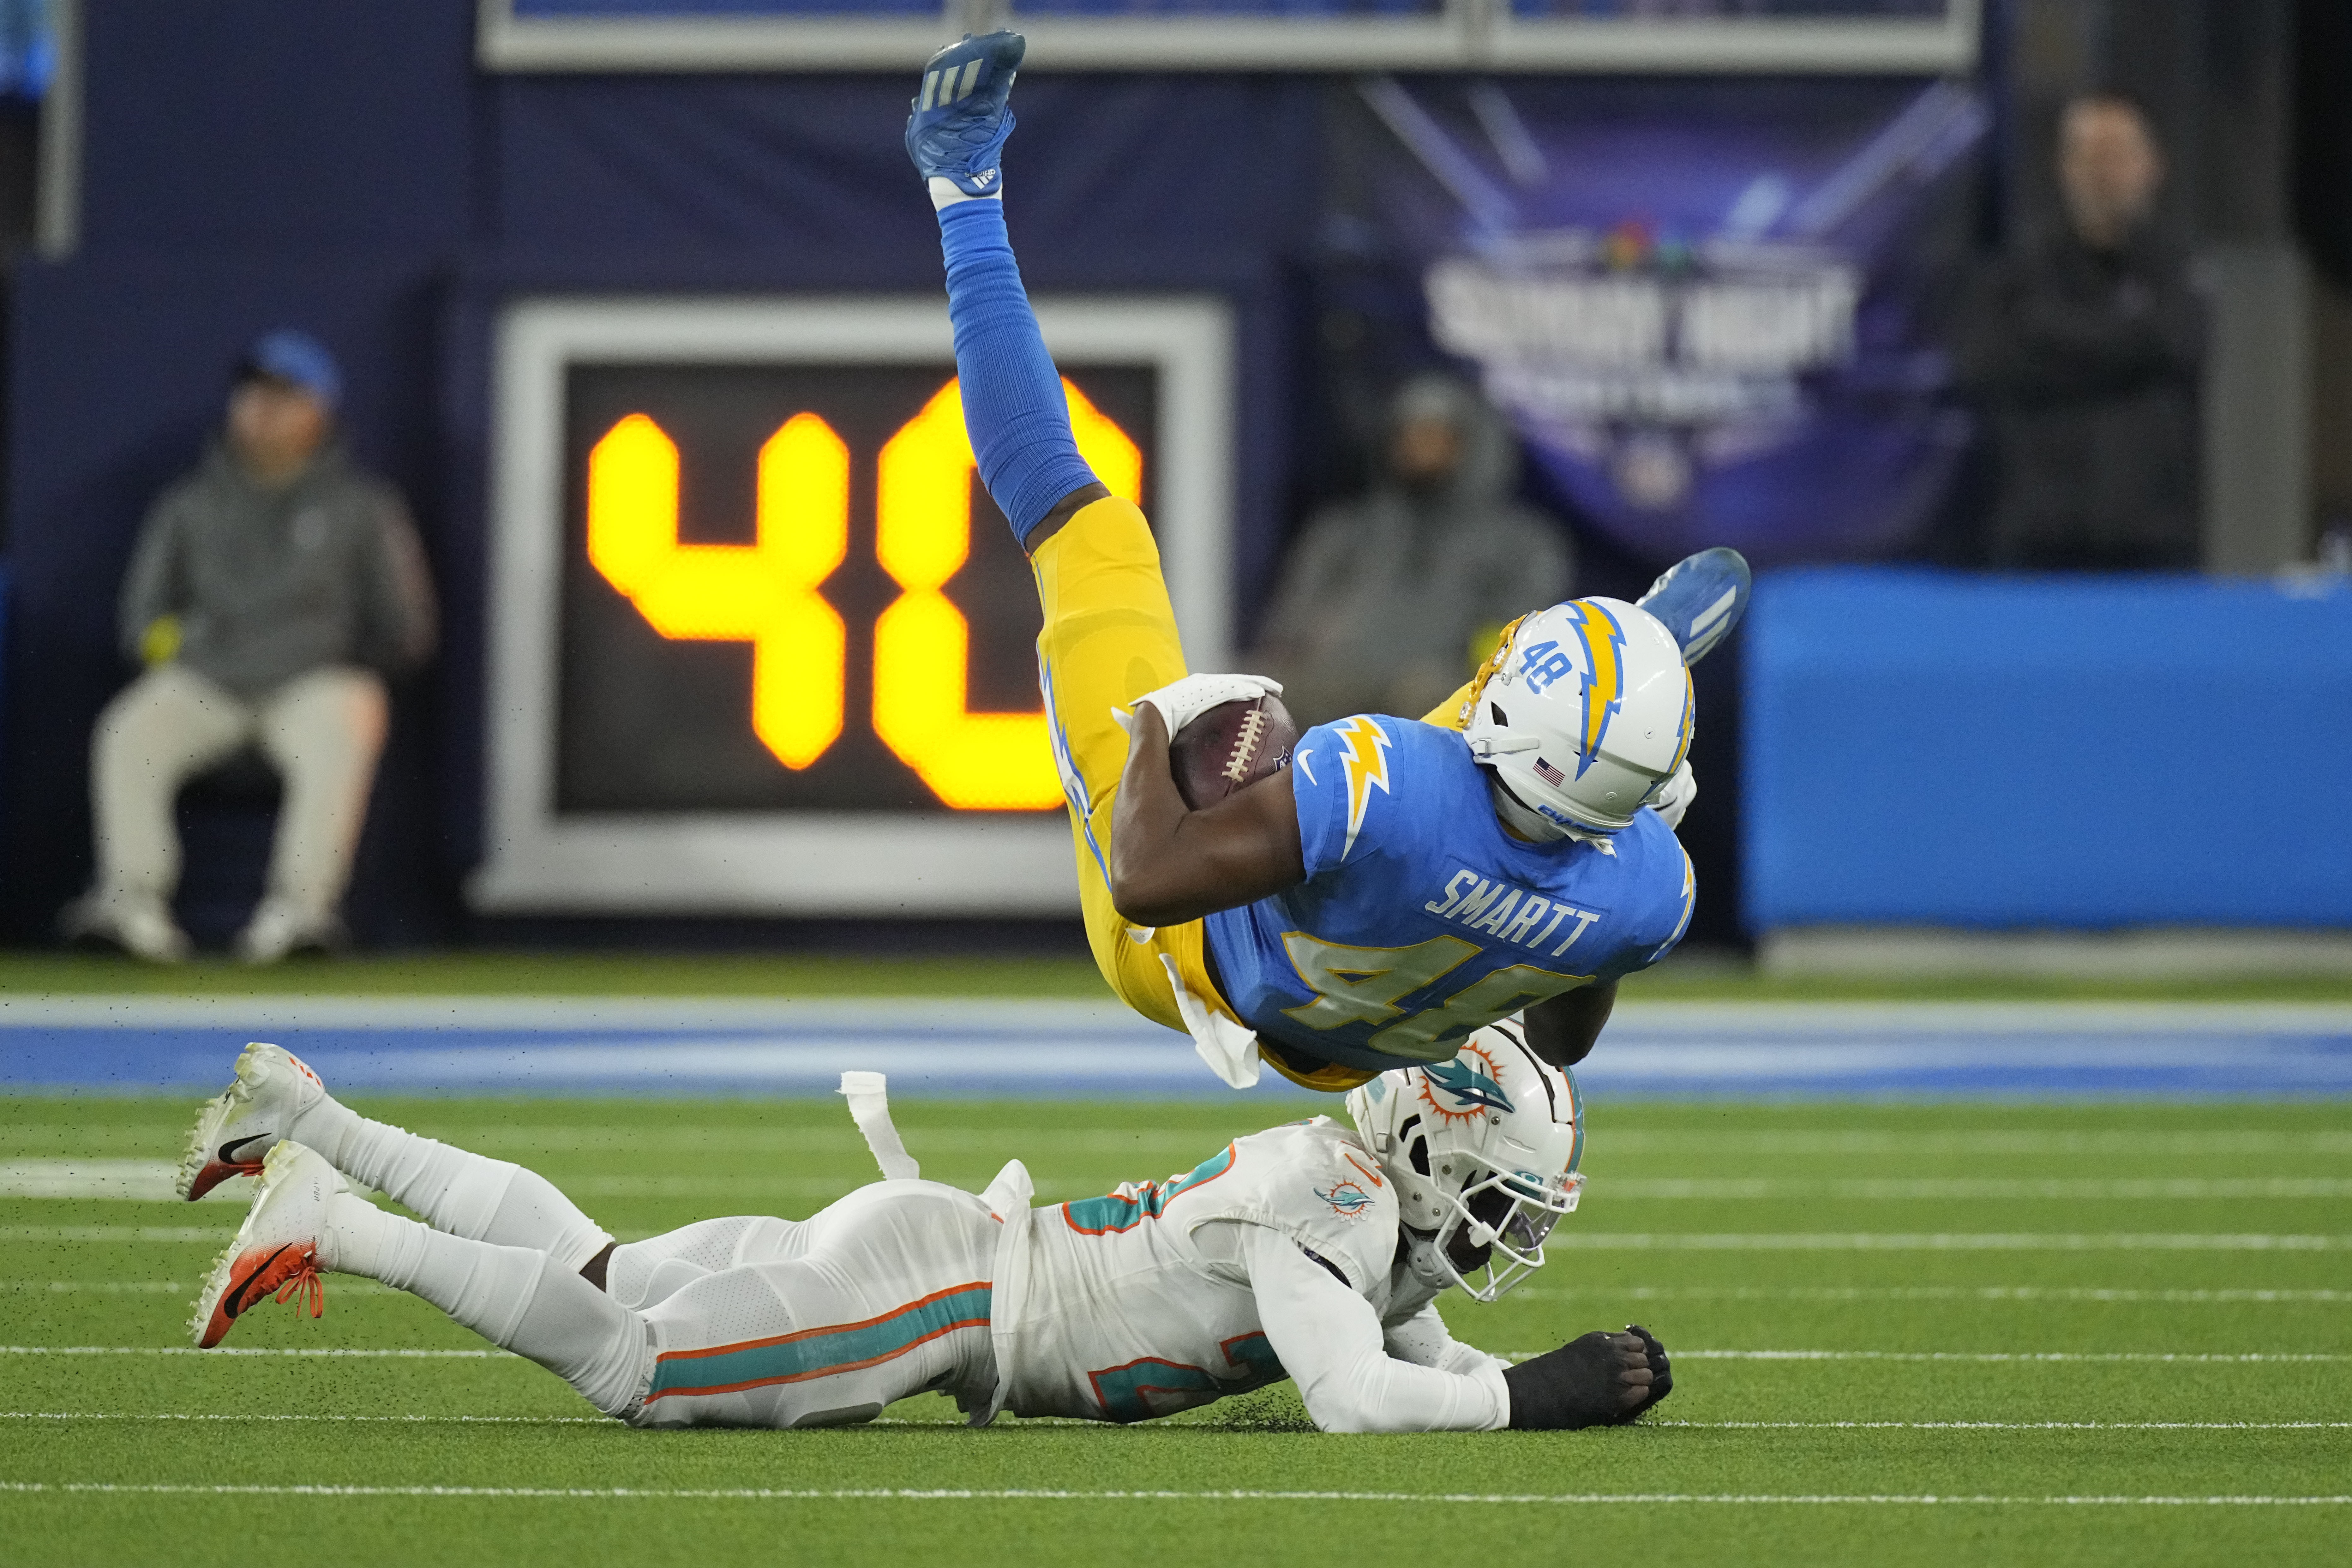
point(1182, 702)
point(1675, 798)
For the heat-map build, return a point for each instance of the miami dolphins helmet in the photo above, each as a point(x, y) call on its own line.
point(1584, 712)
point(1482, 1151)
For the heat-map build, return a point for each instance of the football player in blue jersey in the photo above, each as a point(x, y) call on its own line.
point(1403, 882)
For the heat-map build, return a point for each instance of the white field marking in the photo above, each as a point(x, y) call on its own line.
point(1510, 1355)
point(209, 1415)
point(1010, 1494)
point(2015, 1355)
point(1936, 1241)
point(1983, 1141)
point(1978, 1187)
point(1705, 1426)
point(227, 1349)
point(95, 1286)
point(138, 1181)
point(344, 1285)
point(212, 1234)
point(2010, 1425)
point(504, 1138)
point(1928, 1293)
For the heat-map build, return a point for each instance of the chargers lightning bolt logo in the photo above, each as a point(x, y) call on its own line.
point(1366, 762)
point(1604, 689)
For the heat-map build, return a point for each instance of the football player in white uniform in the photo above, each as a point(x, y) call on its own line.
point(1312, 1251)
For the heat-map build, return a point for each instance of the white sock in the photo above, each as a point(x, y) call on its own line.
point(464, 1195)
point(946, 192)
point(516, 1297)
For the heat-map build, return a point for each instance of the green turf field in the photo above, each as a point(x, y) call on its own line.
point(2144, 1250)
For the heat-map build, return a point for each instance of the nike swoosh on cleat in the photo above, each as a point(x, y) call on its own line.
point(228, 1150)
point(232, 1301)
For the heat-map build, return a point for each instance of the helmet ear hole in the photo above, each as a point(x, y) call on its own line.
point(1495, 712)
point(1419, 1155)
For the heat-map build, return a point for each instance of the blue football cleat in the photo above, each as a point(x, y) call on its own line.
point(961, 119)
point(1700, 599)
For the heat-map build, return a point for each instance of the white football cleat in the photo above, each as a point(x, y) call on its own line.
point(236, 1127)
point(276, 1248)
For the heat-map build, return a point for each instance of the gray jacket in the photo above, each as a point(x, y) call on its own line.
point(270, 584)
point(1383, 598)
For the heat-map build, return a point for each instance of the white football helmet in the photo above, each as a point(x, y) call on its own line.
point(1584, 712)
point(1482, 1149)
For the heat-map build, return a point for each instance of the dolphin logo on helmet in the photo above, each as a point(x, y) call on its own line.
point(1482, 1154)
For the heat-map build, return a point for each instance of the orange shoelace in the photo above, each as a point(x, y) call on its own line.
point(305, 1281)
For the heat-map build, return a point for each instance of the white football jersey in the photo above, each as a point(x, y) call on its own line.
point(1119, 1309)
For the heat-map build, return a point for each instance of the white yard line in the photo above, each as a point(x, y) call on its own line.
point(1705, 1426)
point(2010, 1425)
point(205, 1233)
point(2165, 1189)
point(95, 1286)
point(2218, 1357)
point(1930, 1293)
point(914, 1494)
point(1937, 1241)
point(2013, 1355)
point(2145, 1144)
point(231, 1350)
point(208, 1416)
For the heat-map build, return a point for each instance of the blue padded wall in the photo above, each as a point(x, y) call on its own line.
point(1933, 749)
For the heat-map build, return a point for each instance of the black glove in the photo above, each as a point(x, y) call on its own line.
point(1582, 1384)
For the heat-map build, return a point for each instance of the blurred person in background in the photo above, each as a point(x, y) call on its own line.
point(270, 592)
point(2085, 350)
point(1389, 601)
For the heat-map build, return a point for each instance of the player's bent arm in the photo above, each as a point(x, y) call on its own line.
point(1328, 1339)
point(1168, 864)
point(1562, 1030)
point(1424, 1341)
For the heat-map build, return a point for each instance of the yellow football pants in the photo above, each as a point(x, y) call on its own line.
point(1109, 637)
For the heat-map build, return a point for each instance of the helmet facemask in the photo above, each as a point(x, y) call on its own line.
point(1482, 1154)
point(1500, 1213)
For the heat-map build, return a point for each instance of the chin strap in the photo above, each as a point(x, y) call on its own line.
point(1528, 822)
point(869, 1107)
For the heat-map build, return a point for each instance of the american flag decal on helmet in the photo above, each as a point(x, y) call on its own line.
point(1549, 774)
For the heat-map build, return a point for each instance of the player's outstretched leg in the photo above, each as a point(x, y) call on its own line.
point(1700, 598)
point(1109, 630)
point(304, 1222)
point(277, 1097)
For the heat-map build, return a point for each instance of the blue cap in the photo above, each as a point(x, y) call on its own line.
point(298, 358)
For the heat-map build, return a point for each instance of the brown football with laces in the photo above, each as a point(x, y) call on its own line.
point(1230, 746)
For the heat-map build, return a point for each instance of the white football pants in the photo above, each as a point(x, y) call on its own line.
point(819, 1322)
point(321, 731)
point(748, 1321)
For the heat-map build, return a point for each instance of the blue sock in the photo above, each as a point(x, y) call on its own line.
point(1012, 402)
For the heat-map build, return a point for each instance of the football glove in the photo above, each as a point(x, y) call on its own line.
point(1676, 795)
point(1182, 702)
point(1578, 1384)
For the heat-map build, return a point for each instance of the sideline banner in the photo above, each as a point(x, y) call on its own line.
point(1708, 309)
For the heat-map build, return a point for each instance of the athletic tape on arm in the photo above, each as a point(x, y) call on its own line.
point(869, 1107)
point(1013, 407)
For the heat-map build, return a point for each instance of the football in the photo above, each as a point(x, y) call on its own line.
point(1231, 745)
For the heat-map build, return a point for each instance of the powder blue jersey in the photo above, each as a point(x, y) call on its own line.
point(1420, 920)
